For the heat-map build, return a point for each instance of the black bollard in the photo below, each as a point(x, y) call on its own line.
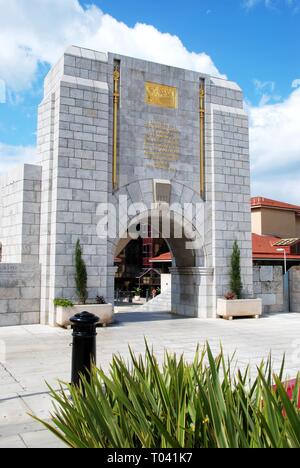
point(84, 345)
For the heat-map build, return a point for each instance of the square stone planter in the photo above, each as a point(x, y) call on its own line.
point(63, 315)
point(103, 311)
point(239, 308)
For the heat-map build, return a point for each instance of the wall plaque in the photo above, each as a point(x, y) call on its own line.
point(161, 144)
point(161, 95)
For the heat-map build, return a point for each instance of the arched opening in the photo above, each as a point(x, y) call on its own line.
point(158, 255)
point(140, 265)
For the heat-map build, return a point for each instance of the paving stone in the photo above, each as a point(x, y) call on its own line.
point(12, 442)
point(41, 439)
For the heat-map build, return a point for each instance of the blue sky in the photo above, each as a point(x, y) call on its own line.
point(245, 43)
point(253, 42)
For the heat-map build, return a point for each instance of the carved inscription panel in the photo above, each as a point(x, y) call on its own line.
point(162, 145)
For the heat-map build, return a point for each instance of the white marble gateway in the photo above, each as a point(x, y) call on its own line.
point(112, 126)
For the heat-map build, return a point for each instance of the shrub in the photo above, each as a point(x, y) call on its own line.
point(230, 296)
point(100, 300)
point(178, 405)
point(236, 284)
point(80, 274)
point(61, 302)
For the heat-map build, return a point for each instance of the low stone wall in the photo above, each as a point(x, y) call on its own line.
point(294, 289)
point(20, 196)
point(19, 294)
point(268, 285)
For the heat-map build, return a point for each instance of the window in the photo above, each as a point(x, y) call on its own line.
point(296, 249)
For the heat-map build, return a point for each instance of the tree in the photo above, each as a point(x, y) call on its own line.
point(236, 284)
point(80, 275)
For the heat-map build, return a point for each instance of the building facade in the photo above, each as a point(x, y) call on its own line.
point(275, 218)
point(276, 232)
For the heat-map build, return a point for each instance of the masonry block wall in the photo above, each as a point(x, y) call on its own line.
point(19, 294)
point(73, 138)
point(294, 280)
point(11, 204)
point(229, 175)
point(75, 147)
point(20, 195)
point(226, 211)
point(268, 285)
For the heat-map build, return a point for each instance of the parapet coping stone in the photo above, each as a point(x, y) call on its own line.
point(229, 110)
point(84, 82)
point(87, 53)
point(225, 83)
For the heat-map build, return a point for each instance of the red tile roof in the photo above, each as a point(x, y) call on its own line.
point(259, 202)
point(263, 247)
point(166, 257)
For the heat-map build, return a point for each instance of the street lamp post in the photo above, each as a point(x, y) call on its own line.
point(286, 286)
point(284, 256)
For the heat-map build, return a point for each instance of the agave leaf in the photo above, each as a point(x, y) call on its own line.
point(292, 414)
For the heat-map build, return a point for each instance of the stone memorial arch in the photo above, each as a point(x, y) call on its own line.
point(112, 128)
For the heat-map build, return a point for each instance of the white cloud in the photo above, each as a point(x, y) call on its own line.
point(262, 85)
point(281, 187)
point(272, 4)
point(275, 143)
point(275, 133)
point(2, 92)
point(266, 91)
point(252, 3)
point(40, 32)
point(275, 148)
point(12, 156)
point(294, 4)
point(296, 83)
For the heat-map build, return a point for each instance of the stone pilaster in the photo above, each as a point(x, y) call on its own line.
point(73, 141)
point(192, 291)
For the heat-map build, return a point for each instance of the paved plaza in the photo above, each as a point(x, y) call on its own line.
point(31, 355)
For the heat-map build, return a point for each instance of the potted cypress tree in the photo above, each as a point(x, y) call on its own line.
point(80, 275)
point(236, 284)
point(65, 308)
point(233, 305)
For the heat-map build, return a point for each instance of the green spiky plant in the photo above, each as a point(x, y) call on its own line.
point(62, 302)
point(177, 405)
point(236, 284)
point(80, 274)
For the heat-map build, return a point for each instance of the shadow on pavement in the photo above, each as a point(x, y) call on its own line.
point(134, 317)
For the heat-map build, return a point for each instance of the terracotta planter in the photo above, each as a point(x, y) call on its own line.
point(103, 311)
point(239, 308)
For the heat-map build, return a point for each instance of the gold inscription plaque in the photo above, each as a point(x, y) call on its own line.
point(161, 145)
point(161, 95)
